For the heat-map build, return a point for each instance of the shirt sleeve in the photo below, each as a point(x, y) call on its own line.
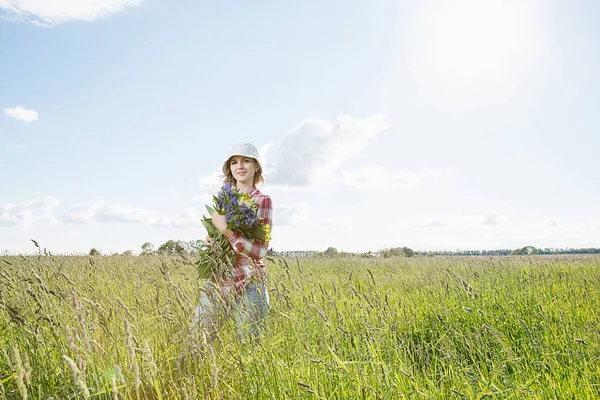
point(255, 250)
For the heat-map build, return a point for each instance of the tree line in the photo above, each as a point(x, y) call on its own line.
point(192, 247)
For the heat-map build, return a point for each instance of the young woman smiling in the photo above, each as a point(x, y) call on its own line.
point(243, 296)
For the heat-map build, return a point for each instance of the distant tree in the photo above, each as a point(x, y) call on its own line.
point(397, 252)
point(147, 249)
point(172, 247)
point(525, 251)
point(95, 252)
point(127, 253)
point(193, 246)
point(331, 251)
point(408, 252)
point(368, 254)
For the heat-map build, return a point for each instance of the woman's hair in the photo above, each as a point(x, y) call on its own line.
point(258, 178)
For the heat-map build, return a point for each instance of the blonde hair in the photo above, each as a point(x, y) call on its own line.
point(258, 178)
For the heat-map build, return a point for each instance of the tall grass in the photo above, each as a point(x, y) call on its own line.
point(339, 328)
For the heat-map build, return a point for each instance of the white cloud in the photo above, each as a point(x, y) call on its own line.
point(208, 186)
point(298, 215)
point(98, 210)
point(492, 219)
point(379, 178)
point(127, 213)
point(211, 183)
point(340, 222)
point(292, 215)
point(204, 197)
point(21, 113)
point(34, 210)
point(175, 192)
point(189, 217)
point(434, 223)
point(48, 13)
point(310, 154)
point(457, 220)
point(83, 213)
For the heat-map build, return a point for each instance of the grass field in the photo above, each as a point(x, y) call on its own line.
point(339, 328)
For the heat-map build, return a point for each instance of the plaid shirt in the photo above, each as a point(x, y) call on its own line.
point(248, 264)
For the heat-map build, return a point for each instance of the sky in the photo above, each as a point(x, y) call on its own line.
point(437, 125)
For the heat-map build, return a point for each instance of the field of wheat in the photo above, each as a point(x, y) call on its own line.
point(339, 328)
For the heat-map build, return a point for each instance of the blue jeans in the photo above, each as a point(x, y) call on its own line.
point(248, 309)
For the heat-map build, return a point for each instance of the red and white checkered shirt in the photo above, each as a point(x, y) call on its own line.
point(248, 264)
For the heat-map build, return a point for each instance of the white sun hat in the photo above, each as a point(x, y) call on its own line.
point(242, 149)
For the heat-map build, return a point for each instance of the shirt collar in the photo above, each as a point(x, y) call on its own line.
point(253, 191)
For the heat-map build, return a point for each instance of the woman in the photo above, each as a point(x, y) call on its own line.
point(244, 296)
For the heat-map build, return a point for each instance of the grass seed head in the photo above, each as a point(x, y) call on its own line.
point(77, 376)
point(20, 377)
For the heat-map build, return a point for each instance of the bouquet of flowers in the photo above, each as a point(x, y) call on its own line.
point(241, 214)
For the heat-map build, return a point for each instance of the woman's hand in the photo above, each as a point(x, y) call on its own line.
point(219, 221)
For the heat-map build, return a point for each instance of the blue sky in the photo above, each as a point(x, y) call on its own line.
point(434, 125)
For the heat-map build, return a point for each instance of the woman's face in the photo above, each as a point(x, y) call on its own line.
point(243, 169)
